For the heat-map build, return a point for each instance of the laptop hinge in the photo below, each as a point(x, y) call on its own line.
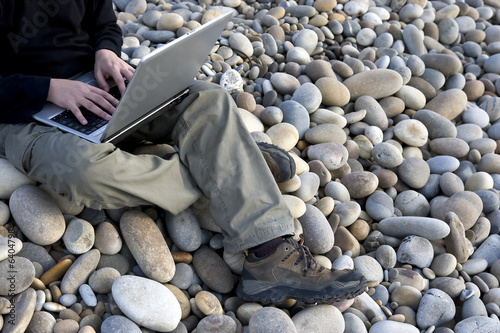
point(156, 112)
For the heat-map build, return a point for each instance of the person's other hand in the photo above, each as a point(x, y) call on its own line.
point(71, 95)
point(109, 66)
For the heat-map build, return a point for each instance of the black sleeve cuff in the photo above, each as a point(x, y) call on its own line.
point(21, 96)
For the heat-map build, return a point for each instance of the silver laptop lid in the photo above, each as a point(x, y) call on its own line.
point(164, 73)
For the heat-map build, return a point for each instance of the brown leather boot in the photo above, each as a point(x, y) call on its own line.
point(291, 272)
point(281, 164)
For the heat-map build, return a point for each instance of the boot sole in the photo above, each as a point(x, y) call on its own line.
point(279, 293)
point(282, 160)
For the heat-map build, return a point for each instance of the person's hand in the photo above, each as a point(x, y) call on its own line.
point(71, 95)
point(109, 66)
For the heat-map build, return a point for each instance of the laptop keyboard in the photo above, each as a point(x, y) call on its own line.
point(68, 119)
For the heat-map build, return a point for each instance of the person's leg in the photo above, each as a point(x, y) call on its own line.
point(227, 165)
point(97, 175)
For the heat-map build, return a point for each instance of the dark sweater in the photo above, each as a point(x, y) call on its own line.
point(40, 39)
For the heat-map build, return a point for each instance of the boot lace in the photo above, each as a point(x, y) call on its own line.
point(305, 254)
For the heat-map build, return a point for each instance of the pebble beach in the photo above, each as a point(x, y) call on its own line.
point(391, 112)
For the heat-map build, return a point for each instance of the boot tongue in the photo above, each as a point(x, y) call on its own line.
point(305, 254)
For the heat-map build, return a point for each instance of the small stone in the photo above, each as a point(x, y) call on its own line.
point(476, 324)
point(80, 271)
point(328, 84)
point(449, 103)
point(25, 306)
point(489, 250)
point(66, 325)
point(79, 236)
point(390, 326)
point(376, 83)
point(402, 226)
point(87, 295)
point(414, 172)
point(386, 256)
point(294, 113)
point(360, 184)
point(107, 239)
point(169, 21)
point(416, 251)
point(18, 273)
point(208, 304)
point(102, 279)
point(270, 319)
point(9, 246)
point(118, 323)
point(436, 308)
point(184, 230)
point(217, 323)
point(369, 267)
point(318, 234)
point(212, 270)
point(11, 179)
point(308, 320)
point(444, 264)
point(41, 322)
point(412, 132)
point(56, 272)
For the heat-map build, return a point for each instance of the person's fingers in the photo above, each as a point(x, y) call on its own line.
point(128, 72)
point(108, 101)
point(92, 107)
point(101, 80)
point(78, 114)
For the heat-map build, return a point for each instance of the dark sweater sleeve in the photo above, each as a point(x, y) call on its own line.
point(102, 27)
point(21, 96)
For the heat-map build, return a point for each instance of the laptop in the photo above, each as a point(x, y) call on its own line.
point(160, 80)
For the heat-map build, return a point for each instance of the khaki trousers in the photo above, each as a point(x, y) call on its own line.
point(217, 157)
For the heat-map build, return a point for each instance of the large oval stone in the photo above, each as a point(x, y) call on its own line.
point(25, 303)
point(375, 114)
point(11, 179)
point(294, 113)
point(146, 302)
point(449, 103)
point(318, 235)
point(80, 271)
point(377, 83)
point(436, 308)
point(437, 125)
point(212, 270)
point(147, 245)
point(325, 133)
point(466, 205)
point(332, 154)
point(390, 326)
point(334, 93)
point(319, 317)
point(445, 63)
point(184, 230)
point(360, 184)
point(17, 275)
point(402, 226)
point(284, 83)
point(37, 215)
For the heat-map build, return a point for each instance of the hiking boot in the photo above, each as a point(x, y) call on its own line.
point(291, 272)
point(281, 164)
